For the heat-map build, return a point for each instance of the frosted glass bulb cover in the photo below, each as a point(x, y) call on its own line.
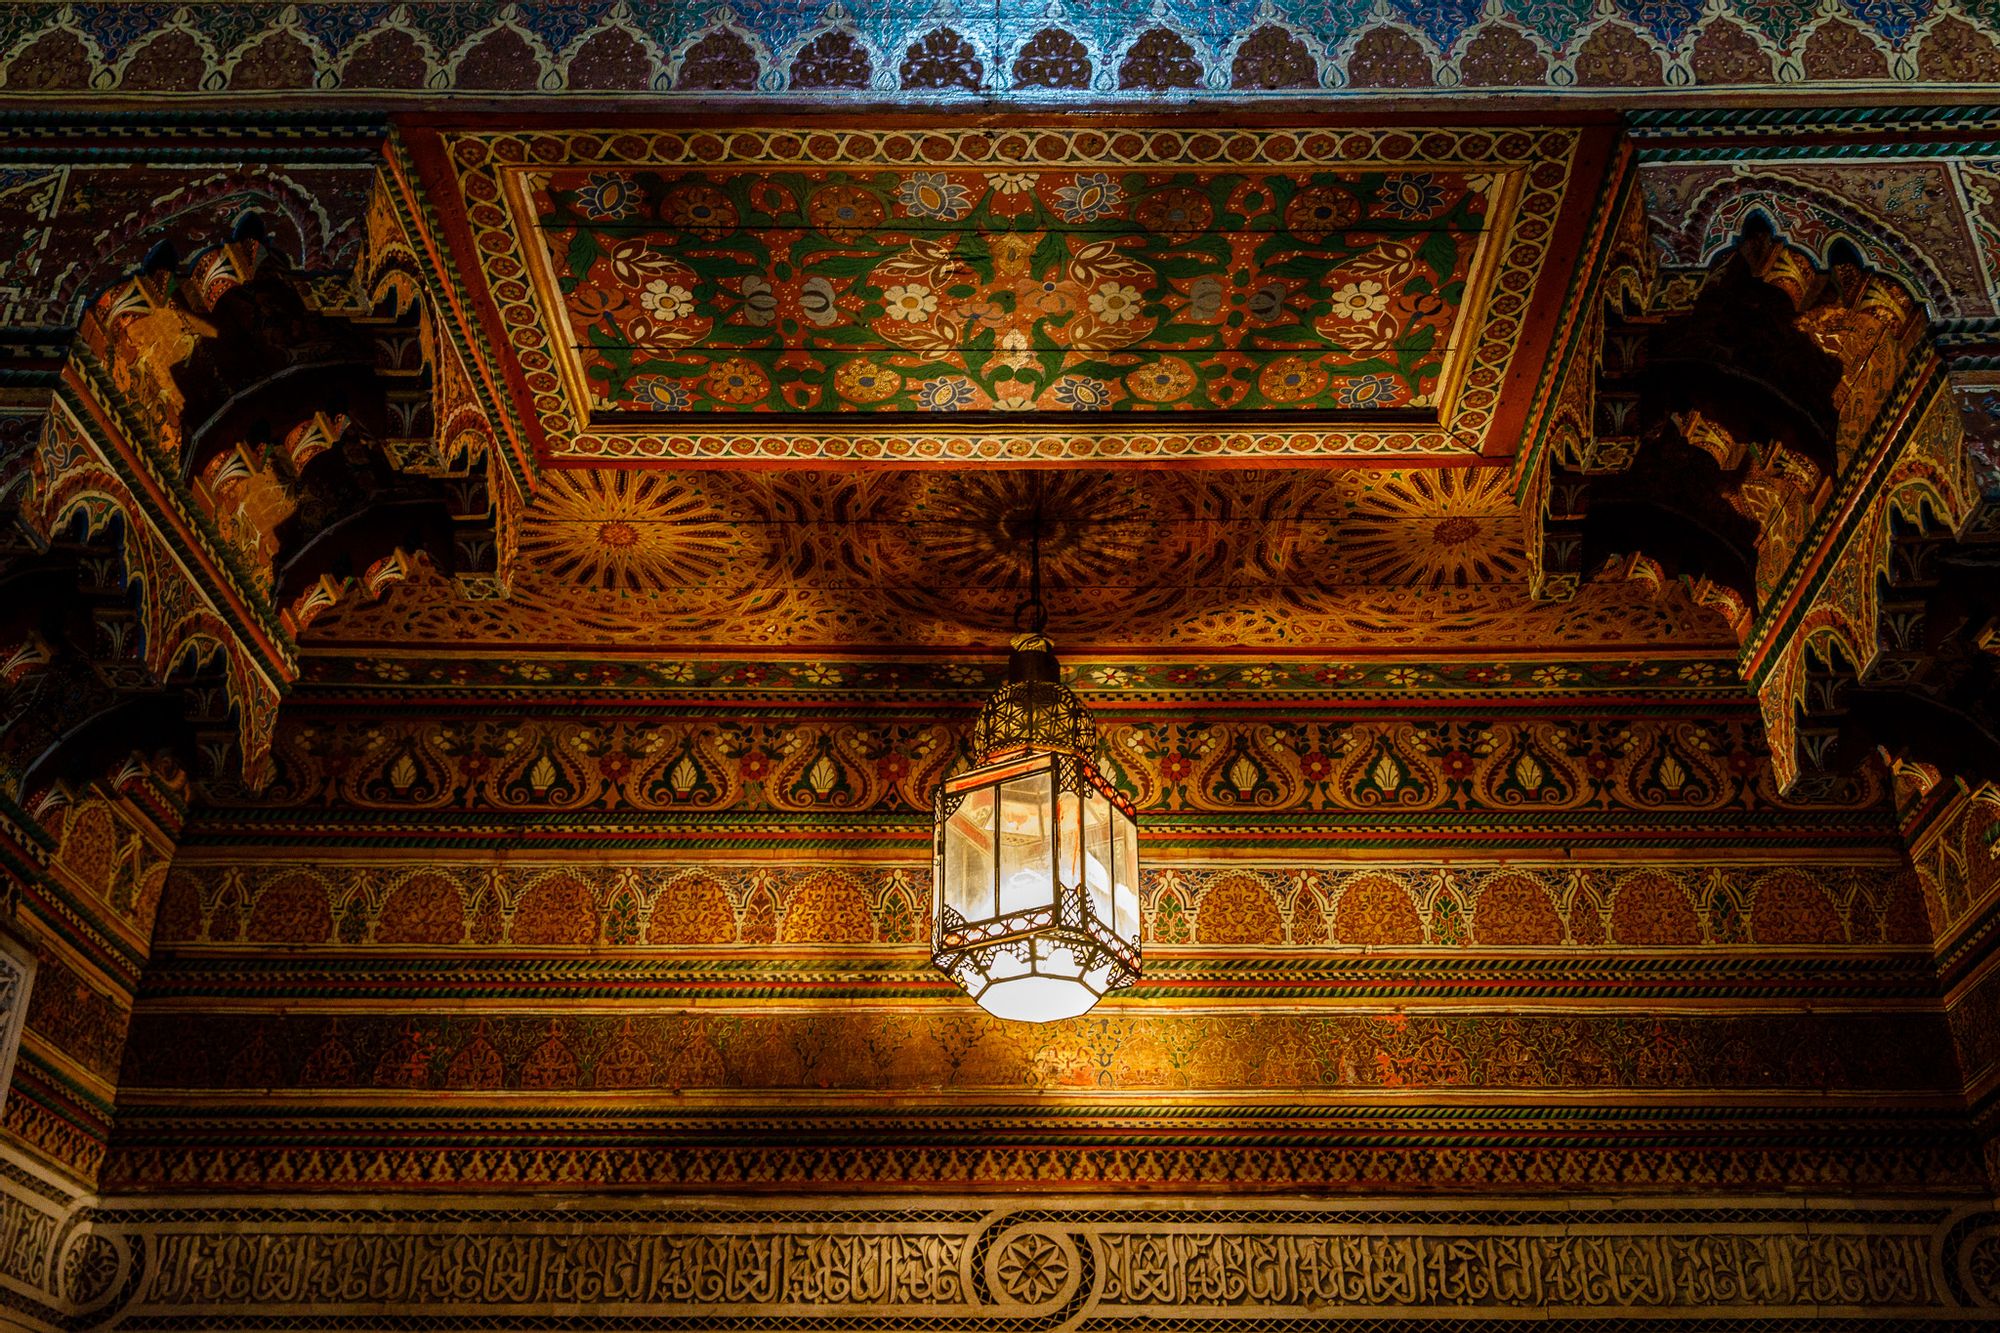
point(1034, 999)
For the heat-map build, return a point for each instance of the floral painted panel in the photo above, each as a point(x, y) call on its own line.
point(721, 291)
point(830, 290)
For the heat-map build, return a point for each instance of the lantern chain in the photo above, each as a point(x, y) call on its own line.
point(1036, 613)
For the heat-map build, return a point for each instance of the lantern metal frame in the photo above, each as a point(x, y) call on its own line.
point(1048, 923)
point(1063, 922)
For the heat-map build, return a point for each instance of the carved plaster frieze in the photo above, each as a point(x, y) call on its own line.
point(959, 1264)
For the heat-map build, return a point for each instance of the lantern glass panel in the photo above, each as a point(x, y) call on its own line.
point(968, 861)
point(1058, 959)
point(1027, 843)
point(1069, 825)
point(1125, 867)
point(1097, 858)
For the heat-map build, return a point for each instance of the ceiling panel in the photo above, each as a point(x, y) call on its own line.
point(839, 293)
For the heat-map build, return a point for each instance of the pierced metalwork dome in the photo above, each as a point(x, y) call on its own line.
point(1034, 707)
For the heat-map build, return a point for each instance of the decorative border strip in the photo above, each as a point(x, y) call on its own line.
point(415, 213)
point(1923, 391)
point(1498, 1153)
point(1379, 774)
point(900, 1065)
point(1068, 51)
point(1226, 927)
point(344, 677)
point(212, 983)
point(1358, 835)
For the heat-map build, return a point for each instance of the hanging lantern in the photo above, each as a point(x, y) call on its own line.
point(1036, 914)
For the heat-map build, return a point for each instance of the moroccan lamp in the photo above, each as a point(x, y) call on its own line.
point(1036, 911)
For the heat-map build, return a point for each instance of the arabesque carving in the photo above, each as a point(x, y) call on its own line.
point(234, 447)
point(1779, 437)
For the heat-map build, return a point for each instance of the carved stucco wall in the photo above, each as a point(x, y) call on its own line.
point(953, 1263)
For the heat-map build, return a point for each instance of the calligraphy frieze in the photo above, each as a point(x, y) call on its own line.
point(958, 1264)
point(1215, 1270)
point(728, 1269)
point(27, 1235)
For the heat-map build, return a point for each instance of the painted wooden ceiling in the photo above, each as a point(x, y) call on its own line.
point(1044, 289)
point(801, 383)
point(1354, 560)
